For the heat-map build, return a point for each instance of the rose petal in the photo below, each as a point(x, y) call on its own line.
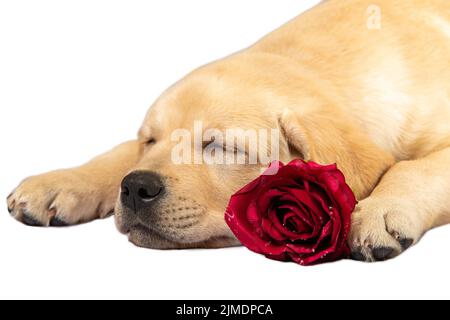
point(316, 212)
point(265, 200)
point(289, 235)
point(271, 230)
point(298, 225)
point(303, 214)
point(306, 213)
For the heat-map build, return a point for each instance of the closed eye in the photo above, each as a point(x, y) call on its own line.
point(218, 144)
point(150, 142)
point(208, 143)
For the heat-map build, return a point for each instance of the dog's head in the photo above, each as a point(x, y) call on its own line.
point(199, 148)
point(192, 162)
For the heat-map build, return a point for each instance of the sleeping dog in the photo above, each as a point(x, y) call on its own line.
point(349, 82)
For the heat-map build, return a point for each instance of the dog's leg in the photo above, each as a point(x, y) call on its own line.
point(77, 195)
point(412, 198)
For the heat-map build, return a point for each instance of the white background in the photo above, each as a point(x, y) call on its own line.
point(76, 77)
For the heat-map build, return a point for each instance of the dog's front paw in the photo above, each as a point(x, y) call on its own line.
point(382, 229)
point(59, 198)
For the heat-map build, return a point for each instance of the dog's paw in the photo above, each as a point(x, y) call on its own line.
point(383, 229)
point(59, 198)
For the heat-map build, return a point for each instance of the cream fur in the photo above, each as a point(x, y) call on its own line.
point(374, 101)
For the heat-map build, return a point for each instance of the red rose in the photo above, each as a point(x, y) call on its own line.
point(302, 213)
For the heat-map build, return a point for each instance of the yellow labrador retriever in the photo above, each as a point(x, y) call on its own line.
point(364, 84)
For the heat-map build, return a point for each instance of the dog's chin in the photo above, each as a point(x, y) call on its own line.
point(151, 238)
point(144, 237)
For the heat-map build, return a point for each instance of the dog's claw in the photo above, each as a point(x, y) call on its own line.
point(406, 243)
point(57, 222)
point(358, 256)
point(30, 221)
point(382, 253)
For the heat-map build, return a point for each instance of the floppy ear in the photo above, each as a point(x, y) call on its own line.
point(332, 138)
point(321, 137)
point(296, 136)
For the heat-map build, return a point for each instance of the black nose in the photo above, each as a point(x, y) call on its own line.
point(140, 189)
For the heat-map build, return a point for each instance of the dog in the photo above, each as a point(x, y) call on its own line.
point(349, 82)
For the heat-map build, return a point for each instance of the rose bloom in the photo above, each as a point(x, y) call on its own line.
point(302, 213)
